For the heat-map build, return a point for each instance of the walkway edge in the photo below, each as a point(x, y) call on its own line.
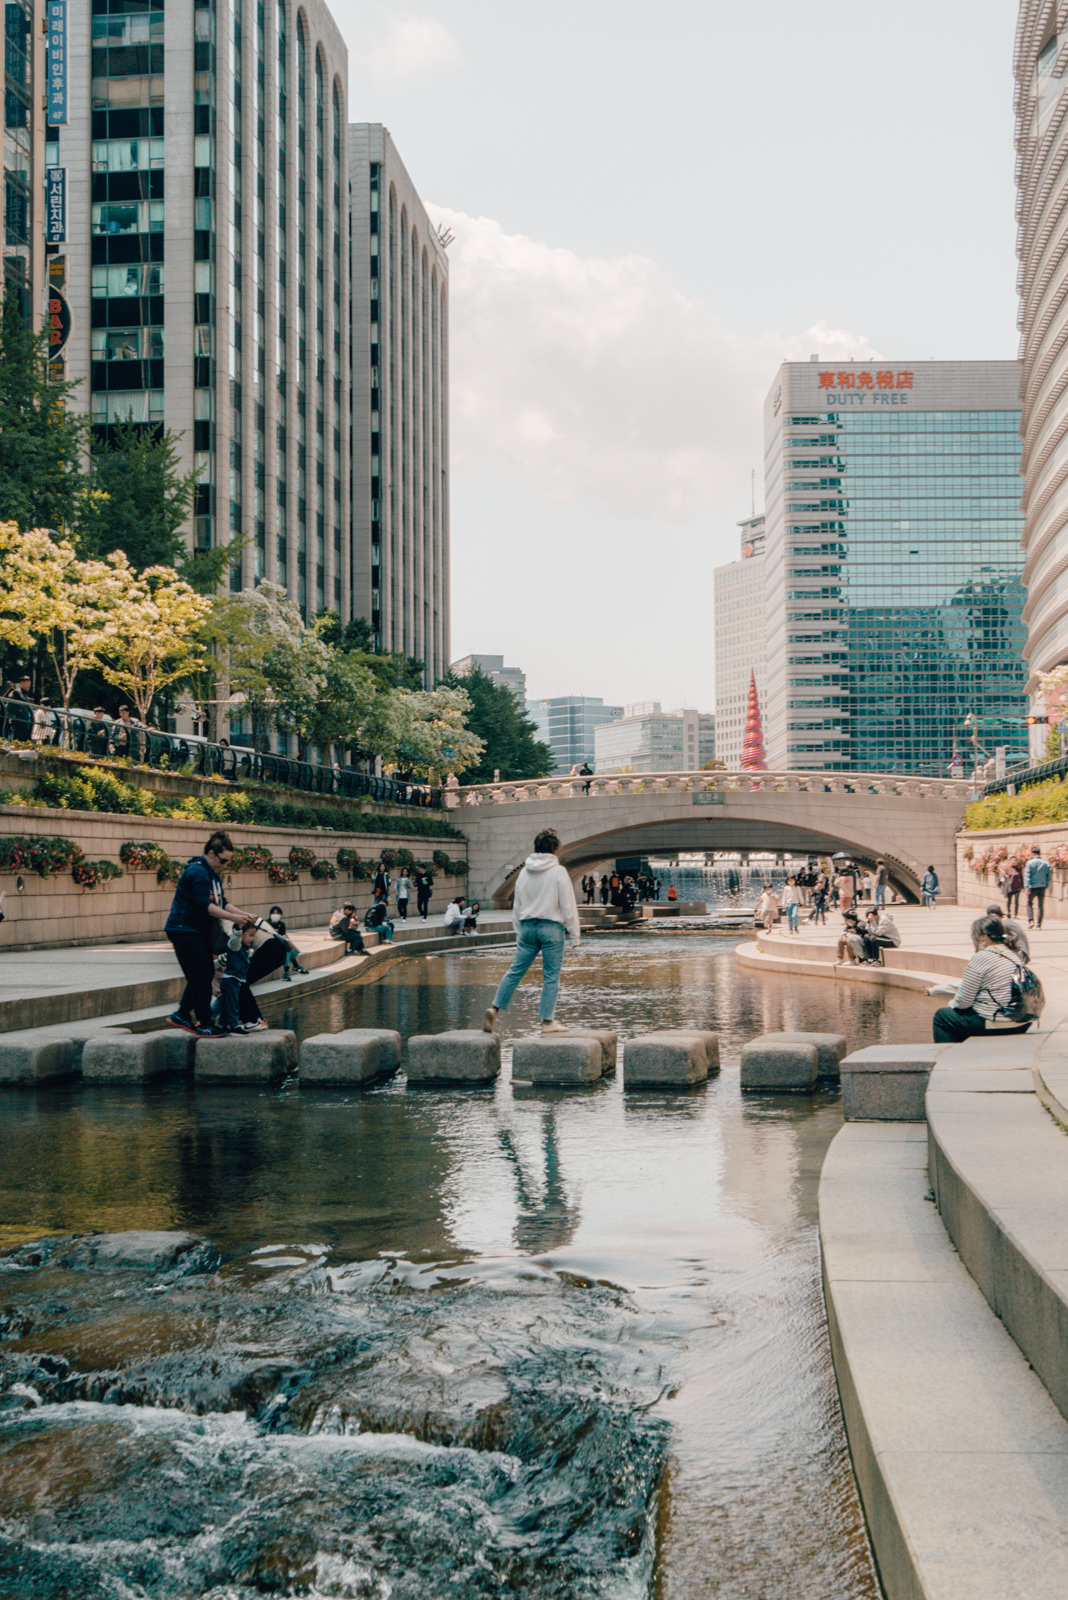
point(960, 1455)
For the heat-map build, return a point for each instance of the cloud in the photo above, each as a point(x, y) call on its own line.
point(403, 45)
point(595, 380)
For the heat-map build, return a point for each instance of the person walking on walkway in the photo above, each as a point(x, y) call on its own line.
point(1036, 881)
point(1011, 887)
point(930, 888)
point(424, 888)
point(195, 926)
point(404, 893)
point(791, 903)
point(985, 988)
point(545, 917)
point(819, 898)
point(381, 882)
point(882, 878)
point(604, 888)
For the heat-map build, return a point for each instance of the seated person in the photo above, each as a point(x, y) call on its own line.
point(850, 943)
point(880, 932)
point(344, 925)
point(292, 955)
point(456, 915)
point(471, 917)
point(984, 989)
point(1015, 934)
point(376, 920)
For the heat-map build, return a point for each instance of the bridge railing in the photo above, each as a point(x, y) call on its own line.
point(664, 783)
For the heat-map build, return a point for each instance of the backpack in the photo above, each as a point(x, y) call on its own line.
point(1025, 1002)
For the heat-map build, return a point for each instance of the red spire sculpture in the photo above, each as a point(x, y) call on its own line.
point(754, 758)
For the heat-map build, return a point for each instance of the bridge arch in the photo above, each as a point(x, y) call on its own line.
point(911, 823)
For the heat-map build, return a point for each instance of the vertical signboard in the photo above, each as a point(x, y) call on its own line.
point(57, 61)
point(55, 205)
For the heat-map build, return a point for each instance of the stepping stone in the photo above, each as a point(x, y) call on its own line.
point(558, 1058)
point(672, 1059)
point(356, 1055)
point(607, 1040)
point(464, 1055)
point(114, 1056)
point(888, 1082)
point(180, 1048)
point(247, 1057)
point(830, 1048)
point(34, 1056)
point(781, 1064)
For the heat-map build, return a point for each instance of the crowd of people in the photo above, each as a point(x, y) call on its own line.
point(625, 890)
point(223, 949)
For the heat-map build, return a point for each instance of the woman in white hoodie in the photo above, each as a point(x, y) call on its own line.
point(545, 915)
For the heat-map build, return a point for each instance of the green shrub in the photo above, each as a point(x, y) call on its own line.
point(1045, 802)
point(323, 869)
point(299, 857)
point(38, 852)
point(348, 858)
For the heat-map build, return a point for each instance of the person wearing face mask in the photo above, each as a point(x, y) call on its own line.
point(292, 960)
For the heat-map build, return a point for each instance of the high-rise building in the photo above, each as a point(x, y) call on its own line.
point(209, 271)
point(218, 241)
point(739, 639)
point(647, 739)
point(892, 564)
point(513, 678)
point(400, 410)
point(566, 724)
point(25, 151)
point(1041, 59)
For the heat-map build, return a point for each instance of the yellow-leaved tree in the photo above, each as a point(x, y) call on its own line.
point(152, 637)
point(47, 595)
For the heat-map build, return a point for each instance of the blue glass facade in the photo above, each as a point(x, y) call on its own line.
point(895, 597)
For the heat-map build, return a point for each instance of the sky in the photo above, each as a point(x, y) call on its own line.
point(653, 206)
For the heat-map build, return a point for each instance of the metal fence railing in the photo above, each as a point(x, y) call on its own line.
point(24, 722)
point(1023, 776)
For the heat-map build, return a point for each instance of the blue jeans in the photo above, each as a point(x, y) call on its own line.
point(880, 894)
point(538, 933)
point(792, 914)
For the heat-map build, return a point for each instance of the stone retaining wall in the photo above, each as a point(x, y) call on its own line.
point(53, 911)
point(981, 888)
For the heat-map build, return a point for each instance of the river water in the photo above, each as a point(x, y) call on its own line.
point(435, 1343)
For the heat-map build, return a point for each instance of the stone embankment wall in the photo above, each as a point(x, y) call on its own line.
point(975, 888)
point(52, 911)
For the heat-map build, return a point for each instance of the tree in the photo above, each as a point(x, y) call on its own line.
point(355, 638)
point(43, 443)
point(348, 696)
point(432, 737)
point(151, 638)
point(274, 664)
point(509, 737)
point(138, 499)
point(48, 596)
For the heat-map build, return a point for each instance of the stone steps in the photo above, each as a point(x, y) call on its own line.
point(960, 1454)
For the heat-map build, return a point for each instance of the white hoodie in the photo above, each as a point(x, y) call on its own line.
point(544, 890)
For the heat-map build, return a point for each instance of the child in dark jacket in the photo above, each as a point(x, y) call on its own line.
point(234, 977)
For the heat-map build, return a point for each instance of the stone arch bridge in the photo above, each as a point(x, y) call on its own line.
point(909, 822)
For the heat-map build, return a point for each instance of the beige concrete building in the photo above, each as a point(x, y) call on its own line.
point(207, 164)
point(399, 364)
point(1041, 66)
point(739, 640)
point(25, 154)
point(648, 739)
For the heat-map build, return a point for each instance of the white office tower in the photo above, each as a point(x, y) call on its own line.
point(739, 640)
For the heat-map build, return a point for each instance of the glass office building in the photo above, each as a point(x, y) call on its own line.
point(566, 724)
point(24, 155)
point(893, 566)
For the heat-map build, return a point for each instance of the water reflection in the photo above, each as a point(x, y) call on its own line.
point(561, 1291)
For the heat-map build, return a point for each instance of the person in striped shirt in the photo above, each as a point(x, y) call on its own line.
point(985, 987)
